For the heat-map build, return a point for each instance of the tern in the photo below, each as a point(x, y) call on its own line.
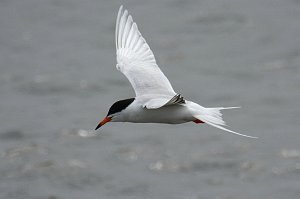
point(155, 100)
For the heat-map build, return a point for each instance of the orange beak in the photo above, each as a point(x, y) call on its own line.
point(104, 121)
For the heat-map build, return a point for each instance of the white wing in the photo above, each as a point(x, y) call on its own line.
point(136, 60)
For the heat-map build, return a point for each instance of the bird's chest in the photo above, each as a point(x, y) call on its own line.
point(169, 114)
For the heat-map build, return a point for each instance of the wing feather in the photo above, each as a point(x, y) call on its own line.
point(136, 61)
point(163, 101)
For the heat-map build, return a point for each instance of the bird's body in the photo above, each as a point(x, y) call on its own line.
point(173, 114)
point(155, 100)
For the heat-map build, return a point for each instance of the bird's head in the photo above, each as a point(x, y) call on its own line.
point(114, 113)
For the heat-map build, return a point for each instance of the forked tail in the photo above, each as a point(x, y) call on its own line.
point(213, 117)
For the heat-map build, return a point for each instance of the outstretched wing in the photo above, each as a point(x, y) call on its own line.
point(136, 60)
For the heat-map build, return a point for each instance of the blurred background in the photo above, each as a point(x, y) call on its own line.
point(58, 79)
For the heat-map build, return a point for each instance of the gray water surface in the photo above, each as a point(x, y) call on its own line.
point(58, 79)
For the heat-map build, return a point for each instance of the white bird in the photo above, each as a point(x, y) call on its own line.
point(155, 101)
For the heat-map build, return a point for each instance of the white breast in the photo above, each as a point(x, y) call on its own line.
point(173, 114)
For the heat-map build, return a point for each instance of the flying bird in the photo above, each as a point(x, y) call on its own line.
point(155, 100)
